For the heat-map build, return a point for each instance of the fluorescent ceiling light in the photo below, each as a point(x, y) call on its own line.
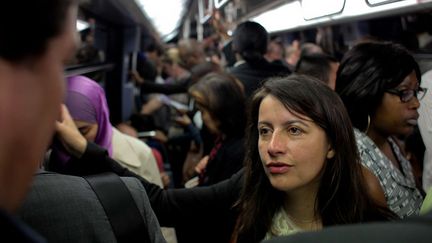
point(164, 14)
point(81, 25)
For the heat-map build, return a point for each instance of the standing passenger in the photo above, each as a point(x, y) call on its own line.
point(31, 91)
point(221, 100)
point(320, 66)
point(252, 69)
point(380, 86)
point(425, 126)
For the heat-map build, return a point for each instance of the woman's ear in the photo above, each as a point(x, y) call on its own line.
point(330, 152)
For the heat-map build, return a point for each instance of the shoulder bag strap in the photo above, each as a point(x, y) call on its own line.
point(123, 214)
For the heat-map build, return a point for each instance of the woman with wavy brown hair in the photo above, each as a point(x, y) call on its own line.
point(303, 170)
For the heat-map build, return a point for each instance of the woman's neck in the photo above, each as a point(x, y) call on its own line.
point(384, 145)
point(378, 138)
point(300, 207)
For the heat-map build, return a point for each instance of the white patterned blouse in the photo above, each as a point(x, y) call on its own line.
point(403, 197)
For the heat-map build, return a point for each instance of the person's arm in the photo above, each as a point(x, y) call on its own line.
point(149, 87)
point(207, 208)
point(69, 135)
point(173, 207)
point(190, 128)
point(374, 187)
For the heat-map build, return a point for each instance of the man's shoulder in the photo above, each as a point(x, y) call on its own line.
point(14, 230)
point(53, 181)
point(65, 186)
point(64, 201)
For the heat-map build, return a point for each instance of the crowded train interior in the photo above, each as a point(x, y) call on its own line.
point(217, 121)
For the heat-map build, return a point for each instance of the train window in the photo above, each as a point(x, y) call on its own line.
point(220, 3)
point(205, 8)
point(166, 21)
point(82, 25)
point(380, 2)
point(318, 8)
point(289, 12)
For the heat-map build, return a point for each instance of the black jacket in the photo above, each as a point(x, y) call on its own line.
point(14, 230)
point(252, 75)
point(227, 161)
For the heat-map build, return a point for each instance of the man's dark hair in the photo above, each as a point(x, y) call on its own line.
point(315, 65)
point(26, 27)
point(250, 40)
point(153, 47)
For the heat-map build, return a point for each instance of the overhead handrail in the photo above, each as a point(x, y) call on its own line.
point(88, 68)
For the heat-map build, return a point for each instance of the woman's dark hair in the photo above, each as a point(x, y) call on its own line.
point(250, 41)
point(34, 24)
point(222, 95)
point(366, 72)
point(342, 197)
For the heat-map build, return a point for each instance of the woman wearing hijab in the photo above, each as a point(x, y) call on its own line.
point(88, 107)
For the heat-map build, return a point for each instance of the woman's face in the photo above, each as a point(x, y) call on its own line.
point(293, 149)
point(208, 119)
point(211, 123)
point(87, 129)
point(394, 117)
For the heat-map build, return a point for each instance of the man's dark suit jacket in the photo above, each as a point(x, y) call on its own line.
point(254, 75)
point(65, 209)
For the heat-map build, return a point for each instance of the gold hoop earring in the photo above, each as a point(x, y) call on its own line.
point(368, 124)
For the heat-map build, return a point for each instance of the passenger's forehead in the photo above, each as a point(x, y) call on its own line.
point(269, 103)
point(409, 80)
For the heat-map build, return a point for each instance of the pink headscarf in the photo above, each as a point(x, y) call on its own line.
point(86, 102)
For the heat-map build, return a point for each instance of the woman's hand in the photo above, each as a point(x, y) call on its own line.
point(183, 120)
point(69, 135)
point(200, 167)
point(136, 77)
point(151, 106)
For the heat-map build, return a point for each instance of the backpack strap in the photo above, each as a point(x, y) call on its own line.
point(122, 212)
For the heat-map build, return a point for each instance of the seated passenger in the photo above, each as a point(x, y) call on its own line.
point(302, 172)
point(221, 101)
point(88, 107)
point(380, 86)
point(87, 104)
